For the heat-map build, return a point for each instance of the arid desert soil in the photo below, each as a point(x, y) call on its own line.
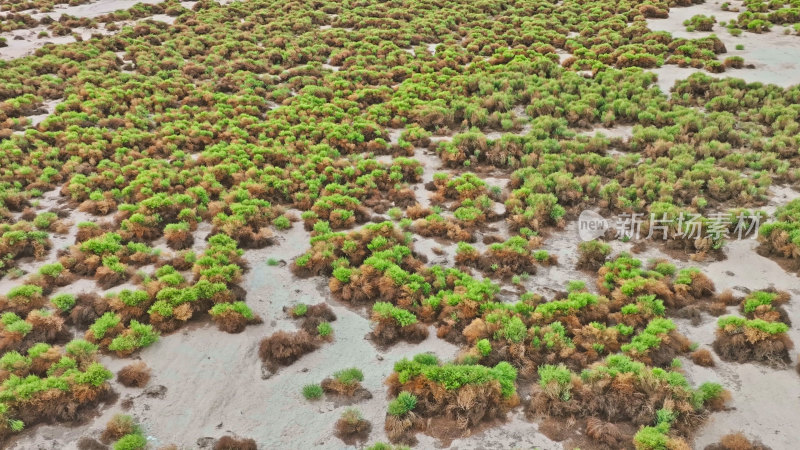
point(207, 383)
point(776, 56)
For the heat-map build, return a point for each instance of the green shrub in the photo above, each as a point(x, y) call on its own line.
point(137, 335)
point(14, 324)
point(300, 310)
point(312, 391)
point(594, 247)
point(513, 329)
point(665, 268)
point(484, 347)
point(385, 446)
point(324, 329)
point(453, 376)
point(342, 274)
point(758, 298)
point(426, 359)
point(12, 360)
point(94, 375)
point(651, 438)
point(401, 316)
point(133, 298)
point(685, 275)
point(81, 349)
point(282, 223)
point(349, 376)
point(558, 377)
point(404, 403)
point(44, 220)
point(64, 302)
point(24, 292)
point(133, 441)
point(758, 324)
point(706, 392)
point(103, 324)
point(51, 270)
point(236, 307)
point(650, 337)
point(576, 285)
point(574, 302)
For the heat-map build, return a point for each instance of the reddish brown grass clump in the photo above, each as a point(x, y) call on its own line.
point(352, 428)
point(742, 340)
point(134, 375)
point(283, 348)
point(736, 441)
point(232, 443)
point(118, 426)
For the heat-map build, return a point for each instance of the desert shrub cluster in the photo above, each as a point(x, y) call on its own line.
point(624, 323)
point(50, 383)
point(458, 396)
point(241, 119)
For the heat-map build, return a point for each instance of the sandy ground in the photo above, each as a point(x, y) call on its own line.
point(213, 382)
point(765, 400)
point(93, 9)
point(776, 56)
point(24, 42)
point(207, 383)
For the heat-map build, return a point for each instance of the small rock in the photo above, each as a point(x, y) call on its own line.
point(742, 289)
point(266, 374)
point(379, 357)
point(205, 442)
point(729, 273)
point(157, 391)
point(305, 369)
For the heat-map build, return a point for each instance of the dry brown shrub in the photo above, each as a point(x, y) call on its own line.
point(751, 345)
point(702, 357)
point(388, 332)
point(233, 322)
point(89, 443)
point(401, 430)
point(351, 428)
point(717, 309)
point(118, 426)
point(604, 432)
point(234, 443)
point(283, 348)
point(726, 297)
point(134, 375)
point(737, 441)
point(555, 429)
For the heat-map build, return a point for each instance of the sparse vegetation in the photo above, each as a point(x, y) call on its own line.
point(312, 391)
point(183, 148)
